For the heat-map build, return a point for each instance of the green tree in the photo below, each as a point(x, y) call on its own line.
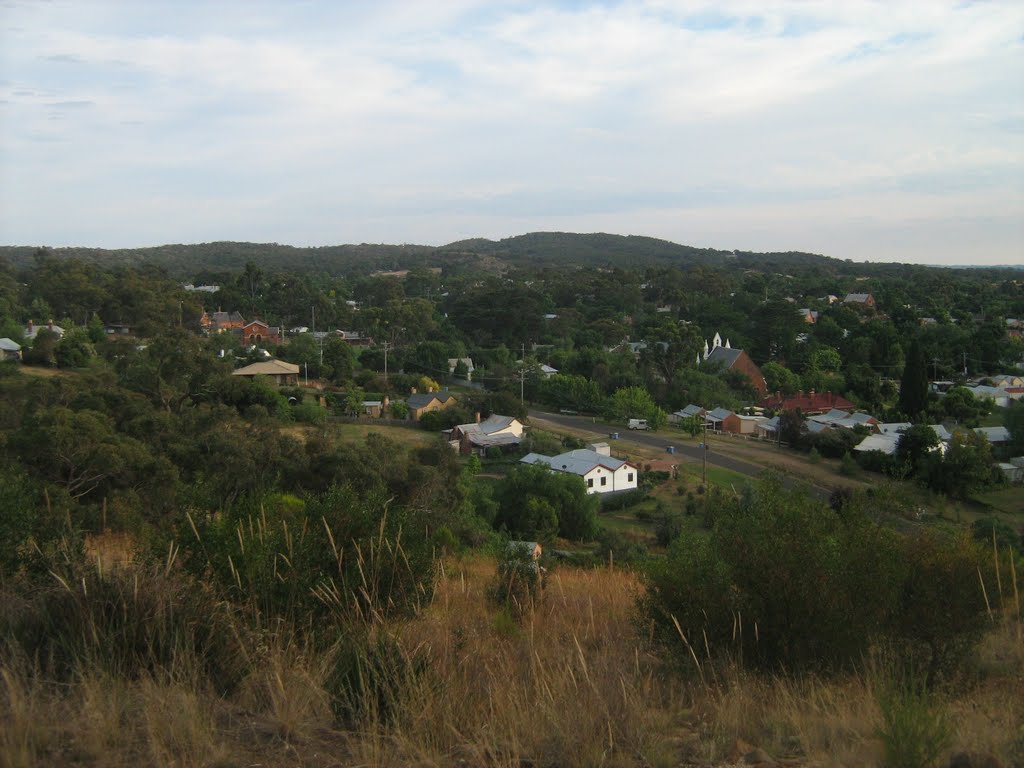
point(74, 350)
point(967, 466)
point(535, 502)
point(780, 379)
point(915, 445)
point(635, 403)
point(913, 400)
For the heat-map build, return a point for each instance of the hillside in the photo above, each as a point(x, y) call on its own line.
point(536, 249)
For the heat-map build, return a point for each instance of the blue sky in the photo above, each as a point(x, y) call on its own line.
point(882, 131)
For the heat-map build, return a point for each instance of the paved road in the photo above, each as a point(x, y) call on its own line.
point(656, 441)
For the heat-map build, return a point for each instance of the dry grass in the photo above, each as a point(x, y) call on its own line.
point(573, 684)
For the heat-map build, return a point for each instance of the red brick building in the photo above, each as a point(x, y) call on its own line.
point(738, 360)
point(257, 332)
point(810, 404)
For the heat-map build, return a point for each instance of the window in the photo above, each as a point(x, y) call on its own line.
point(629, 477)
point(604, 481)
point(590, 482)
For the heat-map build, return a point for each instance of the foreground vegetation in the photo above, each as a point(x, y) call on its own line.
point(159, 671)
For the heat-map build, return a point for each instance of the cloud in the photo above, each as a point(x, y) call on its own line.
point(732, 121)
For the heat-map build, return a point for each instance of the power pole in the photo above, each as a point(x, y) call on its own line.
point(522, 374)
point(387, 346)
point(704, 456)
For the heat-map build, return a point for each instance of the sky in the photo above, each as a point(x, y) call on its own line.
point(872, 131)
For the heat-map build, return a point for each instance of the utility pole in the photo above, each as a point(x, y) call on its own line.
point(387, 346)
point(704, 456)
point(522, 374)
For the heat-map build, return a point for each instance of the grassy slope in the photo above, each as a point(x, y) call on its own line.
point(575, 684)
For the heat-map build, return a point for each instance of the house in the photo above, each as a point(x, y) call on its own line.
point(810, 404)
point(9, 349)
point(354, 338)
point(32, 330)
point(995, 435)
point(280, 372)
point(841, 419)
point(768, 429)
point(723, 420)
point(257, 332)
point(547, 371)
point(201, 288)
point(222, 321)
point(494, 431)
point(374, 408)
point(600, 472)
point(748, 424)
point(420, 403)
point(117, 330)
point(860, 299)
point(810, 316)
point(689, 412)
point(882, 443)
point(453, 363)
point(736, 360)
point(1006, 380)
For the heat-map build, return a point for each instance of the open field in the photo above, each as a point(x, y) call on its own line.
point(358, 431)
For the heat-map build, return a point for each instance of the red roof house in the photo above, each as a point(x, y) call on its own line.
point(809, 404)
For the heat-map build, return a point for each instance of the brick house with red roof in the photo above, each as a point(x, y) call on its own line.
point(810, 404)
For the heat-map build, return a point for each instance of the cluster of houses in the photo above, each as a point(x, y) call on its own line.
point(823, 411)
point(257, 332)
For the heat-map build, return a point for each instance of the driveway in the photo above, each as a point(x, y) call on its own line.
point(653, 440)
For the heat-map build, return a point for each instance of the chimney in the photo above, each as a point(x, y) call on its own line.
point(478, 417)
point(412, 390)
point(385, 402)
point(30, 327)
point(50, 324)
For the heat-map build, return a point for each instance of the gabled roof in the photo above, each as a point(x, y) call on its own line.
point(578, 462)
point(691, 410)
point(894, 427)
point(718, 414)
point(421, 399)
point(267, 368)
point(493, 423)
point(883, 443)
point(941, 432)
point(9, 345)
point(994, 434)
point(724, 355)
point(856, 298)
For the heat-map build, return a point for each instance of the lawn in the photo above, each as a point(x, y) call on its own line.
point(1007, 500)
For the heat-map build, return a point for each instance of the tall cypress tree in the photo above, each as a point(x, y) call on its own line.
point(914, 384)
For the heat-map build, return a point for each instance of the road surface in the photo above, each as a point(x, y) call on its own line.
point(653, 440)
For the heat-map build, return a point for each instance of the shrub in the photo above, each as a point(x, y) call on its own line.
point(518, 582)
point(914, 731)
point(619, 547)
point(787, 582)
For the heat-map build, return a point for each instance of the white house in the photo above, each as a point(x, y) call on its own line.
point(32, 330)
point(9, 349)
point(453, 362)
point(601, 473)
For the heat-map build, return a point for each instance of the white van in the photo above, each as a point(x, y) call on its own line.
point(638, 424)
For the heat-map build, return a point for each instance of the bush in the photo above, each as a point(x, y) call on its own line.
point(914, 732)
point(820, 587)
point(619, 547)
point(518, 582)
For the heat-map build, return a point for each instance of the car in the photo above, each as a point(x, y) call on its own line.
point(638, 424)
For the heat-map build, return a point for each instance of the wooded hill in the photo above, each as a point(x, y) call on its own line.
point(536, 249)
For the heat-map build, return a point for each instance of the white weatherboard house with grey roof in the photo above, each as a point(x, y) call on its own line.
point(599, 471)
